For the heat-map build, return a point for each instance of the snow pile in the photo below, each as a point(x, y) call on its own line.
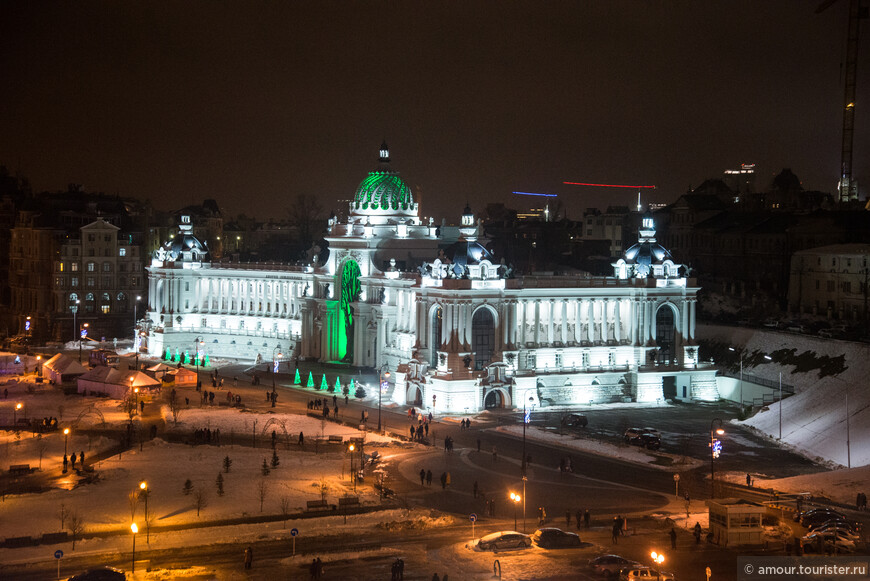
point(813, 420)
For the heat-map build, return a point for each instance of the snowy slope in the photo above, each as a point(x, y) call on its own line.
point(813, 420)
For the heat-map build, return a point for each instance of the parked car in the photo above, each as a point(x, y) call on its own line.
point(820, 515)
point(575, 421)
point(835, 539)
point(553, 538)
point(504, 540)
point(836, 523)
point(644, 574)
point(842, 531)
point(101, 574)
point(644, 437)
point(611, 565)
point(796, 328)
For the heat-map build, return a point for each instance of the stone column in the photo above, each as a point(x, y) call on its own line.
point(551, 316)
point(564, 321)
point(577, 328)
point(692, 320)
point(537, 319)
point(522, 315)
point(617, 323)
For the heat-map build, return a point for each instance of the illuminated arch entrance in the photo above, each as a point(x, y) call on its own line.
point(350, 291)
point(482, 337)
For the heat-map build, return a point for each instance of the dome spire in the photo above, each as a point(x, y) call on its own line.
point(384, 153)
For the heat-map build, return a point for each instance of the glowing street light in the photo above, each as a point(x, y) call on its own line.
point(350, 449)
point(15, 414)
point(144, 493)
point(65, 438)
point(516, 498)
point(198, 344)
point(39, 365)
point(276, 360)
point(135, 530)
point(715, 450)
point(657, 558)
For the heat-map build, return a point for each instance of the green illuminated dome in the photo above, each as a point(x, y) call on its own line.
point(383, 192)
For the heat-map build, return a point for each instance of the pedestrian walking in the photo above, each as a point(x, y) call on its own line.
point(82, 459)
point(320, 568)
point(748, 480)
point(494, 455)
point(312, 570)
point(579, 516)
point(249, 558)
point(673, 535)
point(614, 533)
point(542, 516)
point(301, 438)
point(422, 476)
point(567, 519)
point(697, 533)
point(428, 478)
point(443, 480)
point(435, 577)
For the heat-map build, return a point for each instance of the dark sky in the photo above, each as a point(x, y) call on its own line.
point(252, 102)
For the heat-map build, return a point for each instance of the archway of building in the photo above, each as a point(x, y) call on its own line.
point(496, 398)
point(414, 395)
point(436, 320)
point(666, 334)
point(482, 337)
point(350, 291)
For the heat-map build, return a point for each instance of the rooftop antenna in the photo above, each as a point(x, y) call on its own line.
point(547, 204)
point(638, 200)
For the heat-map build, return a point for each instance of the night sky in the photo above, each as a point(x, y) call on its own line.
point(251, 103)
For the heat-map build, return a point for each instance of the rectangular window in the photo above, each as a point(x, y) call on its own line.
point(74, 281)
point(107, 282)
point(107, 267)
point(91, 282)
point(60, 266)
point(134, 281)
point(122, 252)
point(92, 267)
point(91, 238)
point(58, 282)
point(187, 285)
point(74, 266)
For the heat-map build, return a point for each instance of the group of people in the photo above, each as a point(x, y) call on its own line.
point(582, 517)
point(316, 568)
point(397, 570)
point(566, 465)
point(47, 425)
point(465, 424)
point(620, 525)
point(861, 501)
point(420, 432)
point(207, 436)
point(72, 459)
point(448, 444)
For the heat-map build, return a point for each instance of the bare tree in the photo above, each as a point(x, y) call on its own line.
point(133, 502)
point(200, 499)
point(175, 408)
point(285, 509)
point(262, 490)
point(306, 214)
point(41, 447)
point(62, 514)
point(76, 526)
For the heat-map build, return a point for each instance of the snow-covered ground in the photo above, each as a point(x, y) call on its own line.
point(838, 485)
point(814, 420)
point(651, 458)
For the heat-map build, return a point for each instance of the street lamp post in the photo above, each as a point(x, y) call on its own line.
point(135, 530)
point(516, 500)
point(383, 375)
point(83, 333)
point(144, 493)
point(352, 471)
point(197, 343)
point(65, 438)
point(527, 417)
point(769, 358)
point(15, 415)
point(276, 358)
point(741, 376)
point(714, 452)
point(39, 366)
point(136, 318)
point(75, 309)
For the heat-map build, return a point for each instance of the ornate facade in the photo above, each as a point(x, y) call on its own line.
point(458, 330)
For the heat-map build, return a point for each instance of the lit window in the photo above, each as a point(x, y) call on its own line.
point(122, 252)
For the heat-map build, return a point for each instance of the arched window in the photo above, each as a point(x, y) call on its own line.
point(665, 334)
point(435, 326)
point(121, 306)
point(89, 303)
point(482, 337)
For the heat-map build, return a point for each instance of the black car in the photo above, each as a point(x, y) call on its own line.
point(553, 538)
point(817, 516)
point(575, 421)
point(101, 574)
point(644, 437)
point(610, 565)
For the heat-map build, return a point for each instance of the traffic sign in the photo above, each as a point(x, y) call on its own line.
point(58, 554)
point(473, 517)
point(294, 532)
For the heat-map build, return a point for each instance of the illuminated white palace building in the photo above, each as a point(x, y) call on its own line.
point(458, 331)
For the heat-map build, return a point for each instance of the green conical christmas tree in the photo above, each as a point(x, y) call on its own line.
point(297, 380)
point(177, 358)
point(186, 358)
point(205, 361)
point(310, 380)
point(352, 389)
point(337, 384)
point(168, 355)
point(323, 384)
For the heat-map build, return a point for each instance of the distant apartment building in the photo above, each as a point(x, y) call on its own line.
point(75, 258)
point(831, 281)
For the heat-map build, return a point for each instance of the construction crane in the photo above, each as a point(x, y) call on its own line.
point(848, 187)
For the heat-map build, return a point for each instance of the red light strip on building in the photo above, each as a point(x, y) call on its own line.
point(608, 185)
